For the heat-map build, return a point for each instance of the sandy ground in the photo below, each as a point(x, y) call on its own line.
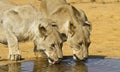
point(105, 19)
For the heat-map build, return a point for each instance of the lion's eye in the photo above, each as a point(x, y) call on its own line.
point(52, 45)
point(80, 43)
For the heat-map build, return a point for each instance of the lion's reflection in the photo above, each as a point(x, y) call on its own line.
point(43, 66)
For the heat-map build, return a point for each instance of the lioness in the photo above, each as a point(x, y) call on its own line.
point(72, 24)
point(22, 23)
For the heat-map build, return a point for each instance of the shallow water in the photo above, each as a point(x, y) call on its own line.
point(66, 65)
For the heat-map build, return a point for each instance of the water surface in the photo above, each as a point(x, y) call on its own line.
point(66, 65)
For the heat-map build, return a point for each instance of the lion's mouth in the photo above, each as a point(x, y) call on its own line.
point(53, 61)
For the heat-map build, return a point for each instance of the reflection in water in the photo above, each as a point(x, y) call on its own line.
point(3, 68)
point(15, 67)
point(41, 65)
point(64, 66)
point(80, 67)
point(67, 65)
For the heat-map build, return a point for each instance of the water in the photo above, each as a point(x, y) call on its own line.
point(67, 65)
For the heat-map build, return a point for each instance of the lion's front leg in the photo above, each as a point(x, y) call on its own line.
point(14, 53)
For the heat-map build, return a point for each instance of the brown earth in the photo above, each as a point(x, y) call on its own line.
point(105, 19)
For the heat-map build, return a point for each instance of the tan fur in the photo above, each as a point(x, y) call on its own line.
point(71, 22)
point(4, 5)
point(21, 23)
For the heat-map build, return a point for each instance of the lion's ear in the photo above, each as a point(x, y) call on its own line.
point(42, 30)
point(71, 28)
point(88, 25)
